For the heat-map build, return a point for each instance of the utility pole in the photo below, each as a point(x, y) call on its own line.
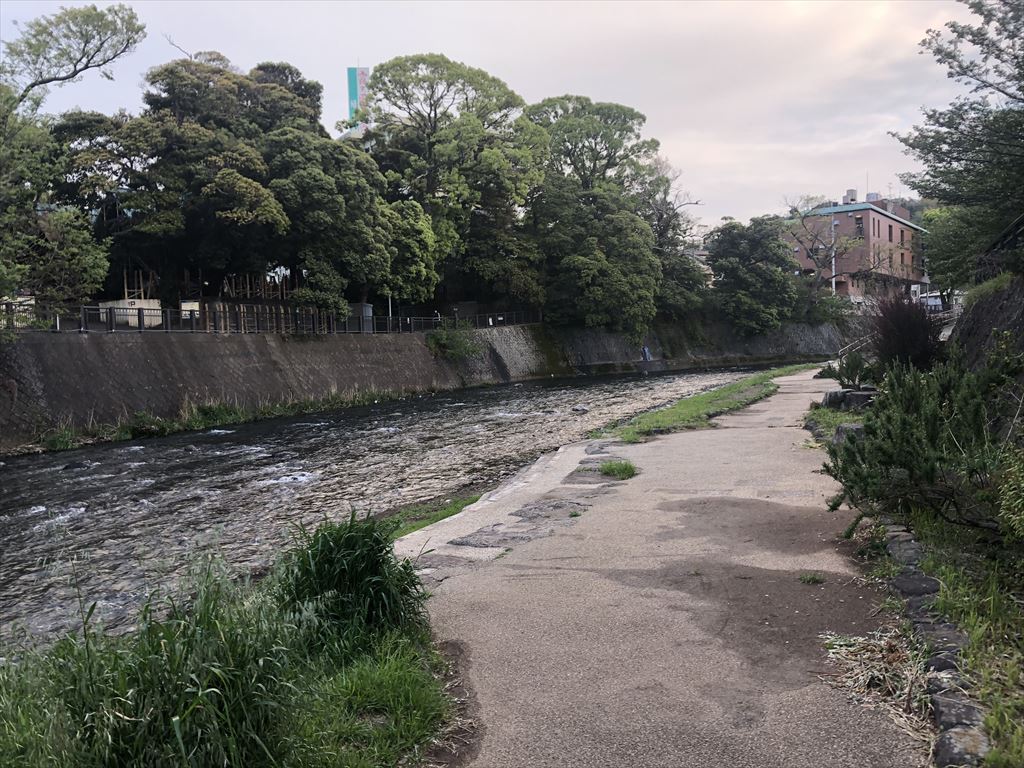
point(835, 223)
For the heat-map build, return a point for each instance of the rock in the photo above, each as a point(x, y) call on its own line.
point(868, 388)
point(550, 508)
point(835, 398)
point(941, 638)
point(190, 449)
point(494, 536)
point(76, 465)
point(941, 662)
point(914, 583)
point(858, 399)
point(904, 551)
point(960, 746)
point(844, 431)
point(952, 709)
point(580, 409)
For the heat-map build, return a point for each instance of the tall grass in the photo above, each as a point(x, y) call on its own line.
point(327, 661)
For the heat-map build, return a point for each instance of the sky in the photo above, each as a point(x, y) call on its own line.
point(755, 102)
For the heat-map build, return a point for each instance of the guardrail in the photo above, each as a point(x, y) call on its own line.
point(236, 318)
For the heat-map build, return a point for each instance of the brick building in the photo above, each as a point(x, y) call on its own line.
point(879, 249)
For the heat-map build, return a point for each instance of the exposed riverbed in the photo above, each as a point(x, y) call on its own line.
point(118, 520)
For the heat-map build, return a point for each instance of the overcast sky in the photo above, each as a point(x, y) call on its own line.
point(755, 102)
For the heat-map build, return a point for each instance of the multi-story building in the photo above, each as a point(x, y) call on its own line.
point(876, 248)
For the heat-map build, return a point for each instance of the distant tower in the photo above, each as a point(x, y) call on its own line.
point(357, 79)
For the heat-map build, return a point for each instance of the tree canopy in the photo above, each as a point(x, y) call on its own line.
point(973, 150)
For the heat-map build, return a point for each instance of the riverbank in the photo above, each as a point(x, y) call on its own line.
point(58, 390)
point(132, 515)
point(598, 615)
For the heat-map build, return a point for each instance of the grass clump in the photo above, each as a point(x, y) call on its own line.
point(421, 515)
point(620, 470)
point(827, 420)
point(327, 661)
point(812, 578)
point(989, 288)
point(697, 411)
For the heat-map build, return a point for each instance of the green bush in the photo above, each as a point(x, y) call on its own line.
point(620, 470)
point(853, 371)
point(930, 442)
point(454, 339)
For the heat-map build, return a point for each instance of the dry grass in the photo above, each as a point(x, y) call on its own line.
point(884, 670)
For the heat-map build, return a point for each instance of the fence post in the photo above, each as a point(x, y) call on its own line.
point(167, 320)
point(192, 320)
point(110, 319)
point(83, 323)
point(256, 318)
point(142, 319)
point(238, 318)
point(216, 322)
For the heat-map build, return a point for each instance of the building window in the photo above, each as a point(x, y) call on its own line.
point(903, 236)
point(903, 260)
point(858, 224)
point(890, 233)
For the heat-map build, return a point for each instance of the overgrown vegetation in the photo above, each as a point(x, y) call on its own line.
point(697, 411)
point(982, 590)
point(620, 470)
point(942, 452)
point(195, 417)
point(454, 340)
point(327, 661)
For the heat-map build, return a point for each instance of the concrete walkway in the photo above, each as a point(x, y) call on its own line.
point(660, 621)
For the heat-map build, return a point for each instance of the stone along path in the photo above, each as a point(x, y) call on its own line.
point(660, 621)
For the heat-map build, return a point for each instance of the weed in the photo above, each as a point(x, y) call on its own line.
point(620, 470)
point(575, 513)
point(416, 517)
point(827, 420)
point(812, 578)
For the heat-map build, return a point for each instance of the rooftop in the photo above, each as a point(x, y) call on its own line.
point(850, 207)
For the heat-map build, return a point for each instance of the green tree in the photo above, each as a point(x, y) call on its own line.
point(973, 151)
point(753, 274)
point(955, 236)
point(63, 262)
point(59, 49)
point(452, 138)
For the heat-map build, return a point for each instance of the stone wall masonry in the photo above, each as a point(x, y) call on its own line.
point(50, 379)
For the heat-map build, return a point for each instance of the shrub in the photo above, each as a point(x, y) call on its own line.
point(348, 573)
point(853, 371)
point(454, 340)
point(905, 334)
point(929, 444)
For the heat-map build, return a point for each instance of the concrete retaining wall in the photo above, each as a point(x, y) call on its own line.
point(48, 379)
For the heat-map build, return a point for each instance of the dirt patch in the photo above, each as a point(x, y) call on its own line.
point(460, 741)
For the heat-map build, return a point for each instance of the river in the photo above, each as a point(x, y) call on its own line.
point(109, 523)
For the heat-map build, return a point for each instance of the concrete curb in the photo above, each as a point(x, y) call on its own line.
point(962, 740)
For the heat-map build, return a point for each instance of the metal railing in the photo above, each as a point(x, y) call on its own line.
point(236, 318)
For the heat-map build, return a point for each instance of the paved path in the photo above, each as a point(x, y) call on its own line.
point(660, 622)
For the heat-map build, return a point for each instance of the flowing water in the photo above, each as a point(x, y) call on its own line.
point(109, 523)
